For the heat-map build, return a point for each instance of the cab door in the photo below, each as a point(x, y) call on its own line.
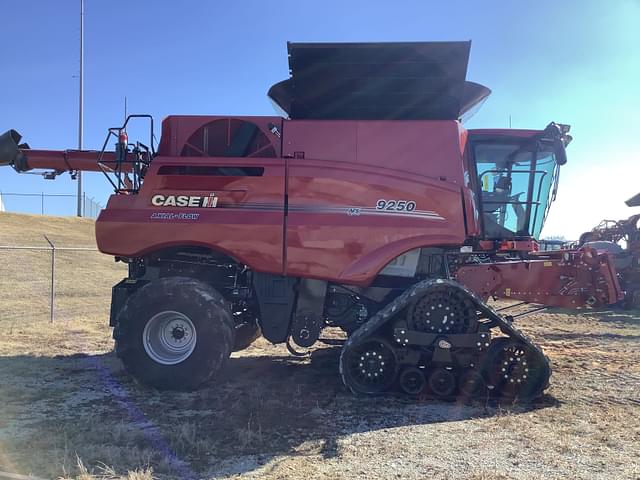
point(514, 178)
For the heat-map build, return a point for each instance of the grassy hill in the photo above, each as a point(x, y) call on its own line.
point(82, 284)
point(21, 229)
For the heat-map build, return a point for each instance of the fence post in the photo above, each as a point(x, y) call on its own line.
point(53, 280)
point(41, 203)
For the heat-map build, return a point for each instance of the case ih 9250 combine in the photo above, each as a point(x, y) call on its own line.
point(369, 208)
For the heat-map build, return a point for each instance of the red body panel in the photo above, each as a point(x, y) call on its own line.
point(332, 229)
point(429, 148)
point(252, 234)
point(332, 244)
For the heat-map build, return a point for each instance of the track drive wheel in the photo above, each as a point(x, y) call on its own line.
point(516, 370)
point(174, 333)
point(442, 310)
point(369, 367)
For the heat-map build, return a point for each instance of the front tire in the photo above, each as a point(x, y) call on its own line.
point(174, 333)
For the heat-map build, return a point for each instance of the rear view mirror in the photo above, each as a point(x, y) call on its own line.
point(561, 153)
point(558, 134)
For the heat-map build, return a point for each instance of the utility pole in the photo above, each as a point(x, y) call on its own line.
point(81, 103)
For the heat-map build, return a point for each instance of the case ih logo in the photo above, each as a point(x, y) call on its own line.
point(208, 201)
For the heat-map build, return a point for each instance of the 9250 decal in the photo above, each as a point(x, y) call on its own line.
point(396, 205)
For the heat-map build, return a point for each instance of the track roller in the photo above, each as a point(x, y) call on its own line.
point(442, 383)
point(412, 381)
point(471, 384)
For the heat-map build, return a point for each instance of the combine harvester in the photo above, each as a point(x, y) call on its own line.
point(621, 239)
point(367, 206)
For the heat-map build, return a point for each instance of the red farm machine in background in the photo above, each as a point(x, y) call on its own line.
point(621, 239)
point(366, 206)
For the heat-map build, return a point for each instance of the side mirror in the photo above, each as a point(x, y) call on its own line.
point(561, 153)
point(559, 134)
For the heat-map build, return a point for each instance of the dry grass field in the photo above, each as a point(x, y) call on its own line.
point(68, 410)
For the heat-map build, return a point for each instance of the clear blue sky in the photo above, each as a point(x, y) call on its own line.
point(573, 62)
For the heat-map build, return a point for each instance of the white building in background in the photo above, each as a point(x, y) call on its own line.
point(1, 204)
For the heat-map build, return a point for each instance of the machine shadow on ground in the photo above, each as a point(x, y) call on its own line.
point(262, 406)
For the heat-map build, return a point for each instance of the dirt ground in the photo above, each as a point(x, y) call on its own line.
point(67, 409)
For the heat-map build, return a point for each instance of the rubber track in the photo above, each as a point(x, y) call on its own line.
point(389, 312)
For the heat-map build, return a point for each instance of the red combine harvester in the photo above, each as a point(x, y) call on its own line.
point(367, 206)
point(621, 239)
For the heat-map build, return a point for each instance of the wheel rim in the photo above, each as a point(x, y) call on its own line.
point(169, 337)
point(516, 370)
point(371, 366)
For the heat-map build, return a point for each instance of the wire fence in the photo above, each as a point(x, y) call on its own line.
point(49, 203)
point(52, 283)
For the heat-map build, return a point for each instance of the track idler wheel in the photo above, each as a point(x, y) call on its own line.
point(369, 367)
point(442, 382)
point(412, 381)
point(516, 370)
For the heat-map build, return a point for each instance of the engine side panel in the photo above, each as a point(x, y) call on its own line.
point(245, 223)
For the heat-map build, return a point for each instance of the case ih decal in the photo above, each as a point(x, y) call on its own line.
point(207, 201)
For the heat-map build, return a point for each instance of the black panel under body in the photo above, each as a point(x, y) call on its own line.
point(276, 300)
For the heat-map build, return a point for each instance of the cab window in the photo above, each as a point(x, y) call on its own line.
point(515, 185)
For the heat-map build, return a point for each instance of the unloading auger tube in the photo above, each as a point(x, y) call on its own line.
point(437, 337)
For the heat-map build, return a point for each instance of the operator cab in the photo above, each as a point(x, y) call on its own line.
point(516, 177)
